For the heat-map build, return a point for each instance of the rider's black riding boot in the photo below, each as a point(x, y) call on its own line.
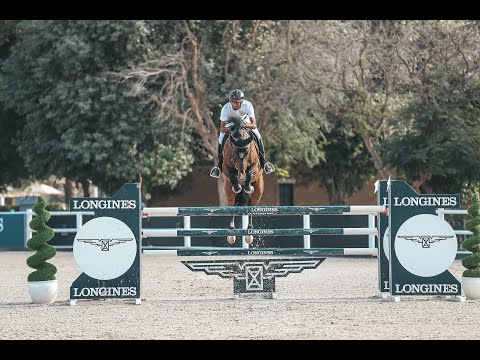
point(217, 170)
point(266, 166)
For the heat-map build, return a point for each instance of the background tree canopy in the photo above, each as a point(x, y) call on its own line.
point(338, 101)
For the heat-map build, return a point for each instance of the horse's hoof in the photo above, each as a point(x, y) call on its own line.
point(239, 189)
point(249, 239)
point(249, 190)
point(231, 239)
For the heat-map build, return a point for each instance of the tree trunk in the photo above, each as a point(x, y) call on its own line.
point(421, 184)
point(222, 199)
point(86, 187)
point(336, 195)
point(377, 161)
point(71, 190)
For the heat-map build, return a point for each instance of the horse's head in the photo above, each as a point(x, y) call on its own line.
point(241, 139)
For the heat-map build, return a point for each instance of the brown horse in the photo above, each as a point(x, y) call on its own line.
point(242, 171)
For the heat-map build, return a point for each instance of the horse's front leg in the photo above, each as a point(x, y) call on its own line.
point(231, 238)
point(236, 187)
point(248, 188)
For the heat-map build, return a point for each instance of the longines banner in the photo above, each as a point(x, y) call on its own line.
point(422, 245)
point(107, 248)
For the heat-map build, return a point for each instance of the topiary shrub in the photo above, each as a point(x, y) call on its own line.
point(472, 262)
point(44, 270)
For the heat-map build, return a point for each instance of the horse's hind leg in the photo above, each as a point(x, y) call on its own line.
point(249, 238)
point(231, 238)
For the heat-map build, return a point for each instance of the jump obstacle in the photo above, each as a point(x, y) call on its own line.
point(413, 258)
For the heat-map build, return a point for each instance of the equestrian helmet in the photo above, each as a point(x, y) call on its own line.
point(237, 95)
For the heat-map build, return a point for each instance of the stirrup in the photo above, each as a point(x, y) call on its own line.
point(215, 172)
point(268, 168)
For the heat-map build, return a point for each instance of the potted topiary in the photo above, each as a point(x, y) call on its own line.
point(42, 283)
point(471, 276)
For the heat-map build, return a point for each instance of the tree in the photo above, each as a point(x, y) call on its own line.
point(347, 165)
point(434, 144)
point(356, 61)
point(80, 121)
point(191, 75)
point(10, 123)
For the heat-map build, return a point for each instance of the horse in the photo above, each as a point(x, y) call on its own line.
point(241, 165)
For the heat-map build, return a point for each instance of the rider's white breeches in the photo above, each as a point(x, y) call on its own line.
point(222, 135)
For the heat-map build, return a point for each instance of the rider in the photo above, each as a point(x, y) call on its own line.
point(237, 106)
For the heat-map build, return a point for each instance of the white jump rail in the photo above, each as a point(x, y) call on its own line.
point(175, 211)
point(245, 211)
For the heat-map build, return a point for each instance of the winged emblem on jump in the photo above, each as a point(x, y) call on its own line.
point(316, 209)
point(210, 232)
point(212, 210)
point(209, 252)
point(105, 243)
point(239, 269)
point(425, 240)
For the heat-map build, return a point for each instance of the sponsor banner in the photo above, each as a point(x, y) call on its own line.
point(422, 246)
point(107, 248)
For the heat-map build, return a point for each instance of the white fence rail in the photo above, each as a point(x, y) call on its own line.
point(442, 212)
point(78, 224)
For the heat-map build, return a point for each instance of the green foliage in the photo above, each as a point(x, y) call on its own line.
point(38, 261)
point(81, 121)
point(293, 139)
point(472, 262)
point(408, 90)
point(438, 139)
point(346, 168)
point(10, 122)
point(10, 125)
point(282, 173)
point(434, 135)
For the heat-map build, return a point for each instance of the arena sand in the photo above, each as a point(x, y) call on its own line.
point(337, 300)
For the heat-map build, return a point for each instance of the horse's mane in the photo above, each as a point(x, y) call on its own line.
point(236, 121)
point(236, 135)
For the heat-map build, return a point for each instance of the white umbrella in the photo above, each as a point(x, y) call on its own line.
point(11, 192)
point(37, 189)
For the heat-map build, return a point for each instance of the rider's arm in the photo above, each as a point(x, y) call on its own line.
point(251, 115)
point(253, 123)
point(223, 128)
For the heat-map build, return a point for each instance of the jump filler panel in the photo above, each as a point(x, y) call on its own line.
point(254, 277)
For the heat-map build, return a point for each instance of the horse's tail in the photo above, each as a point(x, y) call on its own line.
point(242, 199)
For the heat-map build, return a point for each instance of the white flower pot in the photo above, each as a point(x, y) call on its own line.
point(471, 287)
point(43, 292)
